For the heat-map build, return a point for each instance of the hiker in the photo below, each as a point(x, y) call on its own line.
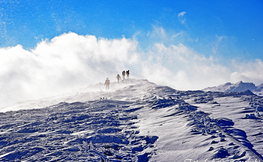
point(128, 73)
point(107, 83)
point(118, 77)
point(123, 75)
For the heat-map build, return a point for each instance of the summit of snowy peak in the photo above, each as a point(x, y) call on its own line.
point(220, 88)
point(131, 88)
point(241, 86)
point(230, 87)
point(227, 84)
point(114, 85)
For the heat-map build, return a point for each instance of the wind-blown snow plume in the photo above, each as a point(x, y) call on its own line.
point(183, 68)
point(71, 61)
point(66, 62)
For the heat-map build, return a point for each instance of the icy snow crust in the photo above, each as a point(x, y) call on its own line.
point(135, 121)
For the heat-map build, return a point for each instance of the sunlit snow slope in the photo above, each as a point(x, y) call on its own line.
point(134, 121)
point(237, 87)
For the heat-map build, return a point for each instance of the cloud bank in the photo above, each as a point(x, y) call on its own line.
point(71, 61)
point(63, 64)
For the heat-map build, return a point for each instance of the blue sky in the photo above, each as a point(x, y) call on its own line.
point(238, 22)
point(55, 46)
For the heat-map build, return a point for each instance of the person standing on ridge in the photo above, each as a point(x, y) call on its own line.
point(128, 73)
point(123, 75)
point(118, 77)
point(107, 83)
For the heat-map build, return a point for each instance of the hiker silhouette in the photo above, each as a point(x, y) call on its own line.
point(123, 74)
point(128, 73)
point(107, 83)
point(118, 77)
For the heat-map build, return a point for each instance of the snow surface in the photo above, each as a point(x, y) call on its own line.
point(135, 120)
point(237, 87)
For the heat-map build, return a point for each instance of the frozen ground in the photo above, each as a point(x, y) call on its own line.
point(134, 121)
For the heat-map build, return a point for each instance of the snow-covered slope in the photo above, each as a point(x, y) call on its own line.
point(237, 87)
point(134, 121)
point(259, 90)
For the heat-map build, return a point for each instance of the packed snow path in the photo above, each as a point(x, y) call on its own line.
point(135, 121)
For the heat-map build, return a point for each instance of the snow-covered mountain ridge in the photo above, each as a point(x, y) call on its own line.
point(135, 120)
point(237, 87)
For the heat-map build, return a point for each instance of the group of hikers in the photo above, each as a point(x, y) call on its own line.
point(107, 82)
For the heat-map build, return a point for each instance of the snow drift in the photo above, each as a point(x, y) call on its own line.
point(135, 120)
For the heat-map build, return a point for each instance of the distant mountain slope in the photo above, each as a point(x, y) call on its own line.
point(259, 89)
point(237, 87)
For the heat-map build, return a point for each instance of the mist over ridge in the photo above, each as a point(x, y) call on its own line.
point(71, 61)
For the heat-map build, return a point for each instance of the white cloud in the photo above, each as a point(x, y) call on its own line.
point(217, 42)
point(181, 14)
point(177, 34)
point(66, 62)
point(157, 32)
point(183, 68)
point(250, 71)
point(71, 61)
point(182, 17)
